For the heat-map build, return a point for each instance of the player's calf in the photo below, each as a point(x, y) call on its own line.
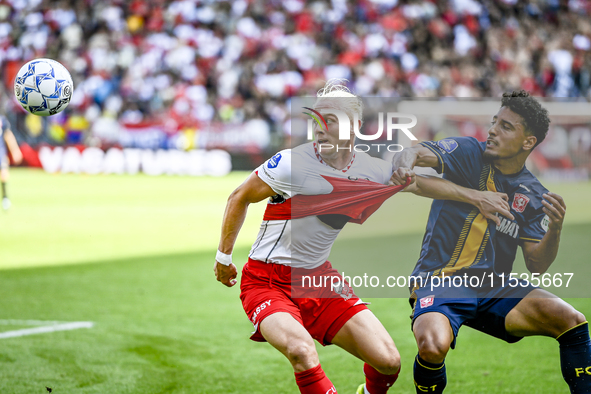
point(575, 358)
point(429, 366)
point(284, 333)
point(434, 336)
point(314, 381)
point(429, 377)
point(377, 382)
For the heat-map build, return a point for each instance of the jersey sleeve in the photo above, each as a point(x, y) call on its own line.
point(535, 223)
point(276, 172)
point(458, 157)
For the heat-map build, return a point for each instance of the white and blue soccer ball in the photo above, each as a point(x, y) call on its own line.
point(43, 87)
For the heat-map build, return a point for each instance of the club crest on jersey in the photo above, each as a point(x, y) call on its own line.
point(343, 289)
point(427, 301)
point(448, 145)
point(520, 201)
point(274, 161)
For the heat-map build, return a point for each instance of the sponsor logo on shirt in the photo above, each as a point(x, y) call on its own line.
point(448, 145)
point(520, 201)
point(508, 227)
point(274, 161)
point(545, 222)
point(267, 173)
point(427, 301)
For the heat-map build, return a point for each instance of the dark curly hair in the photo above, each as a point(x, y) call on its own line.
point(534, 115)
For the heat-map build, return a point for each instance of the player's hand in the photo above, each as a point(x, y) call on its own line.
point(555, 208)
point(399, 177)
point(225, 273)
point(492, 203)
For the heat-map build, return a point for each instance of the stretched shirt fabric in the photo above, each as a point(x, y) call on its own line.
point(458, 237)
point(357, 199)
point(313, 203)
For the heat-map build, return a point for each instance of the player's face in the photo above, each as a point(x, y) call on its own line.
point(507, 136)
point(328, 138)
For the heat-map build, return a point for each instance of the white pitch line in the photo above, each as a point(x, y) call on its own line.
point(45, 329)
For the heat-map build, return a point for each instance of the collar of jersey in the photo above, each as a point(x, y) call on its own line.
point(322, 161)
point(514, 175)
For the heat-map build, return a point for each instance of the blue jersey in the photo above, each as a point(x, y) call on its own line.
point(458, 238)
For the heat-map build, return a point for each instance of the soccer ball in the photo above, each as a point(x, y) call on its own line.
point(43, 87)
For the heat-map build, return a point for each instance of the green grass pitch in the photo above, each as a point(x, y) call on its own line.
point(134, 255)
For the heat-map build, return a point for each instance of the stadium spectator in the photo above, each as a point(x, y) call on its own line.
point(251, 56)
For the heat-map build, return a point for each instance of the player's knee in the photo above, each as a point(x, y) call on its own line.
point(576, 318)
point(570, 318)
point(433, 350)
point(390, 365)
point(388, 362)
point(302, 355)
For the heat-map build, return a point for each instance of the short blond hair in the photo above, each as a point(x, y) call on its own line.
point(348, 102)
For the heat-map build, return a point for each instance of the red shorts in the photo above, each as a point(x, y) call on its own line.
point(267, 288)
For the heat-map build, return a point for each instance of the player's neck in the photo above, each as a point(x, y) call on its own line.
point(338, 160)
point(509, 166)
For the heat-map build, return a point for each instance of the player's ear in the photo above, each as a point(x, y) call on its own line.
point(530, 142)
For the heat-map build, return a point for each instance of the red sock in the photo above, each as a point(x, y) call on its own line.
point(377, 383)
point(314, 381)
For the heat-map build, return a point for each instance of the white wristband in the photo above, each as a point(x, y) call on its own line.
point(222, 258)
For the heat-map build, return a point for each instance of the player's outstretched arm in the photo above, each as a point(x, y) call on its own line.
point(251, 191)
point(12, 145)
point(403, 163)
point(540, 256)
point(488, 203)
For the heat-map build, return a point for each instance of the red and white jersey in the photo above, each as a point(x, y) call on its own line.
point(305, 242)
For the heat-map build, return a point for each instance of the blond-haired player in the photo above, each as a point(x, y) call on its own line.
point(289, 246)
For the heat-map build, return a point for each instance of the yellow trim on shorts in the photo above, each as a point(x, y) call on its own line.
point(530, 239)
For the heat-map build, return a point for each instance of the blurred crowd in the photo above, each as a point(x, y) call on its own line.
point(194, 64)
